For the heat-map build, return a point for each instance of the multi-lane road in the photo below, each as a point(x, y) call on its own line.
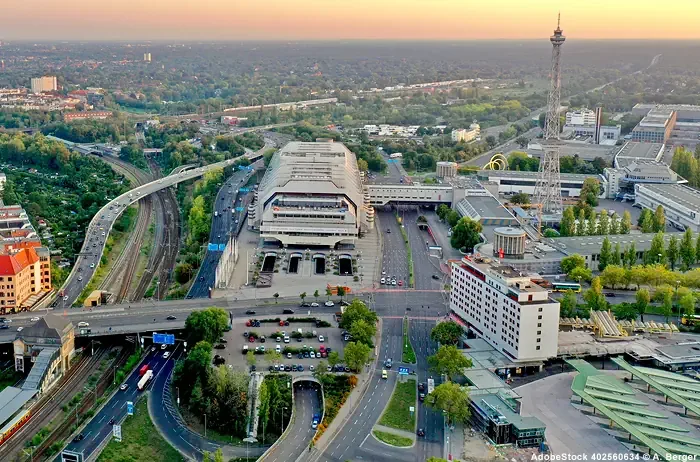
point(101, 224)
point(299, 435)
point(226, 222)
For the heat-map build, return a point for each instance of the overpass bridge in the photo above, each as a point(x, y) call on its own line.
point(416, 193)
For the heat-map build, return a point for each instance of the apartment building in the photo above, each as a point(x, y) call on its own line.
point(25, 276)
point(465, 135)
point(506, 309)
point(42, 84)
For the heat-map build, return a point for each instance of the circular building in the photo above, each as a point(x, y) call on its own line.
point(509, 241)
point(446, 169)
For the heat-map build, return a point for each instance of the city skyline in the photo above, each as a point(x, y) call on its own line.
point(360, 19)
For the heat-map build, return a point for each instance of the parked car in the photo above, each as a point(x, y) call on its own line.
point(83, 324)
point(314, 304)
point(329, 303)
point(171, 318)
point(220, 346)
point(250, 312)
point(288, 311)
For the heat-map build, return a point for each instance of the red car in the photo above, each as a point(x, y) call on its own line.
point(248, 323)
point(251, 339)
point(400, 283)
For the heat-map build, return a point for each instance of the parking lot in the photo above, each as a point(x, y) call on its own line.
point(292, 338)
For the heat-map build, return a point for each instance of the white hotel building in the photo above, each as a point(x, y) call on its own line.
point(506, 309)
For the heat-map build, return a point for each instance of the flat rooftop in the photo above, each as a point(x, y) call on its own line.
point(485, 207)
point(678, 193)
point(528, 175)
point(634, 150)
point(591, 244)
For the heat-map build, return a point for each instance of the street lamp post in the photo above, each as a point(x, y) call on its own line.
point(158, 289)
point(178, 395)
point(678, 283)
point(205, 425)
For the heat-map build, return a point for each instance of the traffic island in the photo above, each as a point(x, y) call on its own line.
point(140, 440)
point(408, 356)
point(393, 439)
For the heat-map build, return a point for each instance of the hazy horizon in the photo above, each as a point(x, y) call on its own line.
point(314, 20)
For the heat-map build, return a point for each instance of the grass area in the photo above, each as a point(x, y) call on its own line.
point(140, 441)
point(408, 356)
point(116, 241)
point(8, 378)
point(394, 440)
point(397, 414)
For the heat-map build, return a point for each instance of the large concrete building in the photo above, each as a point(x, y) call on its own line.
point(681, 203)
point(25, 277)
point(621, 181)
point(506, 309)
point(42, 84)
point(667, 123)
point(464, 135)
point(311, 195)
point(513, 182)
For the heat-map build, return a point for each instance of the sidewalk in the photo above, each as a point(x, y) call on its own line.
point(454, 442)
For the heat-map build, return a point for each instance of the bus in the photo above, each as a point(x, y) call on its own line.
point(564, 286)
point(690, 320)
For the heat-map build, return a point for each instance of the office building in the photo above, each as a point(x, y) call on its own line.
point(655, 127)
point(147, 57)
point(513, 182)
point(71, 116)
point(311, 195)
point(678, 123)
point(621, 181)
point(681, 203)
point(506, 309)
point(44, 84)
point(465, 135)
point(581, 118)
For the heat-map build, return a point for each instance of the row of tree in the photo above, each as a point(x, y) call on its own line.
point(652, 222)
point(592, 223)
point(684, 251)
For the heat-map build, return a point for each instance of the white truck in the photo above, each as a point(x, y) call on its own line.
point(145, 379)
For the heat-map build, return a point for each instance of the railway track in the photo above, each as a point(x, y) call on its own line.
point(162, 260)
point(45, 409)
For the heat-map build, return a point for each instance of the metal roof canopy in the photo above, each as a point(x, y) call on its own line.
point(12, 399)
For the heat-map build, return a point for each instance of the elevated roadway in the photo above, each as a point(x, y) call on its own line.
point(96, 235)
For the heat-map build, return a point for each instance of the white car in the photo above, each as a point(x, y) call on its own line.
point(320, 338)
point(20, 328)
point(314, 304)
point(166, 354)
point(65, 298)
point(312, 354)
point(383, 280)
point(393, 283)
point(163, 346)
point(329, 303)
point(278, 349)
point(35, 319)
point(83, 324)
point(92, 265)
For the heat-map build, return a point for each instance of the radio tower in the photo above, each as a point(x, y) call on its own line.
point(548, 186)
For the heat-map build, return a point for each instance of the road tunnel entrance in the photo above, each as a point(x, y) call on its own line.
point(269, 262)
point(319, 263)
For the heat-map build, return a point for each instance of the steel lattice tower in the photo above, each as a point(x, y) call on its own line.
point(548, 186)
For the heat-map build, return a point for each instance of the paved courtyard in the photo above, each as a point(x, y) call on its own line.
point(569, 431)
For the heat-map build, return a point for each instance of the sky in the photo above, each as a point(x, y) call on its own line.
point(41, 20)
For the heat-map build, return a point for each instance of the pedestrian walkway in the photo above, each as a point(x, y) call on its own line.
point(404, 433)
point(454, 442)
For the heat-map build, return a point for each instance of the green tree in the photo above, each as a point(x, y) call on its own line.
point(9, 195)
point(590, 191)
point(442, 211)
point(194, 366)
point(687, 250)
point(520, 198)
point(605, 254)
point(625, 312)
point(449, 361)
point(594, 297)
point(615, 224)
point(697, 250)
point(639, 275)
point(362, 165)
point(659, 220)
point(616, 258)
point(672, 252)
point(357, 311)
point(356, 355)
point(686, 305)
point(582, 223)
point(446, 333)
point(316, 295)
point(642, 302)
point(452, 400)
point(568, 223)
point(250, 358)
point(567, 305)
point(656, 253)
point(363, 332)
point(647, 221)
point(581, 273)
point(183, 273)
point(276, 295)
point(630, 256)
point(452, 218)
point(207, 325)
point(625, 223)
point(333, 358)
point(522, 142)
point(341, 292)
point(272, 357)
point(571, 262)
point(613, 276)
point(329, 292)
point(302, 296)
point(466, 234)
point(603, 223)
point(667, 306)
point(592, 226)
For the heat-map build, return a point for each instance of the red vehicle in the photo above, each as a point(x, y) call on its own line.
point(251, 339)
point(143, 370)
point(400, 283)
point(322, 348)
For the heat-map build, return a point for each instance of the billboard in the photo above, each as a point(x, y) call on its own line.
point(117, 432)
point(168, 339)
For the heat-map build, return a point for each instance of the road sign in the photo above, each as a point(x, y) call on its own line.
point(129, 408)
point(212, 247)
point(239, 209)
point(168, 339)
point(117, 432)
point(244, 190)
point(71, 456)
point(222, 247)
point(403, 371)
